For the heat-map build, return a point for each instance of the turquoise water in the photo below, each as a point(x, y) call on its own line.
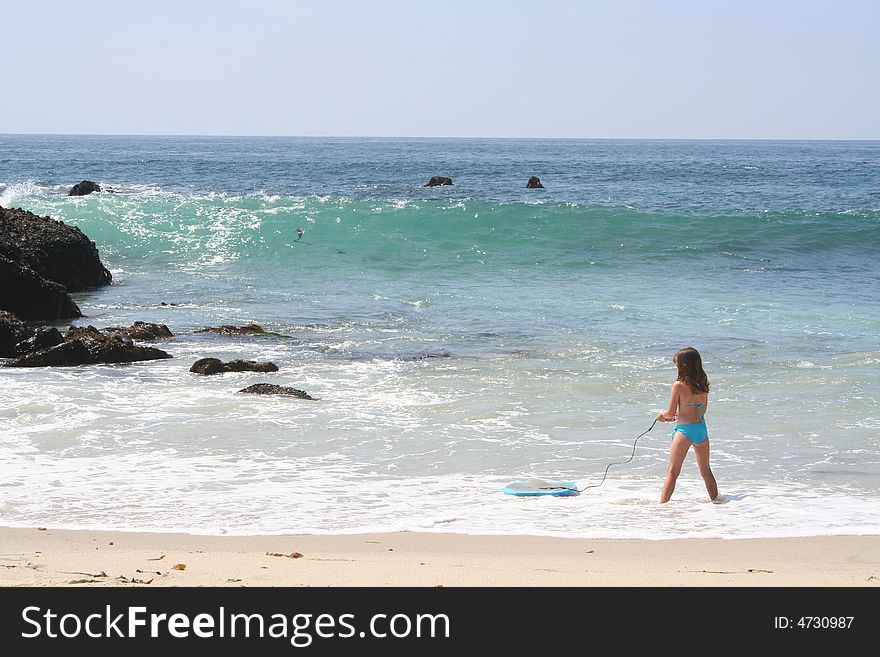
point(458, 338)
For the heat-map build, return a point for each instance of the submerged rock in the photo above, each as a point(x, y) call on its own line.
point(84, 188)
point(272, 389)
point(208, 366)
point(425, 355)
point(226, 329)
point(248, 329)
point(238, 365)
point(534, 183)
point(89, 346)
point(437, 181)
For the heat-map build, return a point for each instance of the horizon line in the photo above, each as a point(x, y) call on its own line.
point(404, 137)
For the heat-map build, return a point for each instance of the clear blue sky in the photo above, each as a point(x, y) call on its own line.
point(767, 69)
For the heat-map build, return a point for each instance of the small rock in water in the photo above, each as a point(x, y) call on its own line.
point(208, 366)
point(534, 183)
point(272, 389)
point(84, 188)
point(437, 181)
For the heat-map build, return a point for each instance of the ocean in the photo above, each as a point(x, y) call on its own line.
point(457, 338)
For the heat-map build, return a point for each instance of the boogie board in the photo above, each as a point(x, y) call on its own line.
point(534, 487)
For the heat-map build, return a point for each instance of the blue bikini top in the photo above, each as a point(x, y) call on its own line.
point(695, 406)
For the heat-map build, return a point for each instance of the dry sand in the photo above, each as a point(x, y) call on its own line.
point(39, 557)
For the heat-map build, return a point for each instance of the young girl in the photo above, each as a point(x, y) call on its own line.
point(687, 405)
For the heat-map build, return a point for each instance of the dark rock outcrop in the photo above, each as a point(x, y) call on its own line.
point(437, 181)
point(272, 389)
point(89, 346)
point(12, 331)
point(45, 337)
point(80, 332)
point(226, 329)
point(30, 296)
point(84, 188)
point(56, 251)
point(534, 183)
point(63, 355)
point(210, 366)
point(41, 260)
point(144, 331)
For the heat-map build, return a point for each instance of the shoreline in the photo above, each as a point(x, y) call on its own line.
point(32, 557)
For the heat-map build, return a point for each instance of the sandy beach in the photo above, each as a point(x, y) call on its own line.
point(48, 557)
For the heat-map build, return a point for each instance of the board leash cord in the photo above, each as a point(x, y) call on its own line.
point(581, 490)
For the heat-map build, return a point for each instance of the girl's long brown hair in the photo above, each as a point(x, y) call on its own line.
point(690, 369)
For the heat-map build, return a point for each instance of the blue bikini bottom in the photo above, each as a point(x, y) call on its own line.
point(696, 432)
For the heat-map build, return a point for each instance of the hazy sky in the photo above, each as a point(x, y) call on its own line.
point(797, 69)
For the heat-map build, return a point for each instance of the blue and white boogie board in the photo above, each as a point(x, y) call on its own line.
point(534, 487)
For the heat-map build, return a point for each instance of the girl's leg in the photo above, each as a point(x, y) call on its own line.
point(677, 451)
point(702, 453)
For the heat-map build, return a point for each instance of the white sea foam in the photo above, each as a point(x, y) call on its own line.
point(390, 445)
point(11, 194)
point(167, 491)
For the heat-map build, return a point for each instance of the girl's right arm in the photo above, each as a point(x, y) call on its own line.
point(670, 413)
